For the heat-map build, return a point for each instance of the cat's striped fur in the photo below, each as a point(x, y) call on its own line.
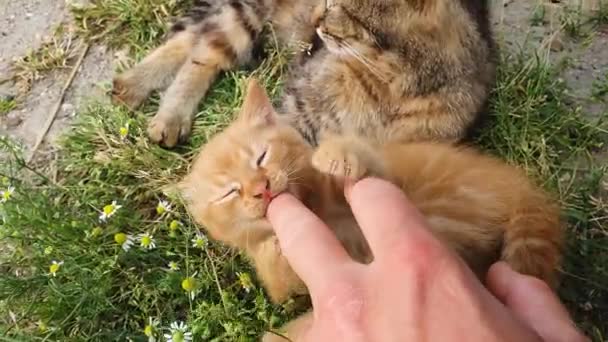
point(398, 70)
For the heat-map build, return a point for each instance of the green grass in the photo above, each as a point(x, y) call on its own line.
point(135, 24)
point(55, 53)
point(6, 105)
point(102, 293)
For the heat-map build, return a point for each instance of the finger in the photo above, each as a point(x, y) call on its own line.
point(308, 244)
point(388, 219)
point(533, 302)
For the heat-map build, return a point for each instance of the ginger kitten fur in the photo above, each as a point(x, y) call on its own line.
point(477, 205)
point(389, 70)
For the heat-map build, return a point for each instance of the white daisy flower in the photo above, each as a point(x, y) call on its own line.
point(151, 329)
point(146, 240)
point(163, 207)
point(173, 266)
point(6, 194)
point(54, 268)
point(125, 241)
point(199, 241)
point(124, 131)
point(191, 286)
point(245, 281)
point(178, 332)
point(108, 211)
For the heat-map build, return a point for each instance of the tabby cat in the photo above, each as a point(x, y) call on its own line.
point(482, 208)
point(390, 70)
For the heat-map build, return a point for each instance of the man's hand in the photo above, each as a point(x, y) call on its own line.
point(415, 289)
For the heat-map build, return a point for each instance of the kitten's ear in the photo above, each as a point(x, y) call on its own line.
point(257, 108)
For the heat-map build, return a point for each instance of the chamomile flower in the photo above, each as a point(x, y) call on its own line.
point(124, 131)
point(5, 195)
point(146, 240)
point(48, 250)
point(163, 207)
point(174, 227)
point(109, 210)
point(173, 266)
point(245, 281)
point(42, 327)
point(178, 332)
point(151, 329)
point(124, 241)
point(190, 285)
point(54, 268)
point(199, 241)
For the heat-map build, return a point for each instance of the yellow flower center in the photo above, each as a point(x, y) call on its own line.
point(245, 281)
point(174, 225)
point(148, 330)
point(146, 241)
point(6, 195)
point(124, 131)
point(160, 209)
point(120, 238)
point(108, 209)
point(173, 265)
point(177, 336)
point(200, 242)
point(189, 284)
point(54, 268)
point(42, 327)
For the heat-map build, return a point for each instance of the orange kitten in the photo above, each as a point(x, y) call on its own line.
point(479, 206)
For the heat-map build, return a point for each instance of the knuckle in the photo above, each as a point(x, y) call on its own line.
point(419, 256)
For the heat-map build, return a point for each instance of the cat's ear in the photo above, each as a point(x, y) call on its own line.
point(257, 108)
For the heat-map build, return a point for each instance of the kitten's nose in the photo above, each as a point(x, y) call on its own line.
point(262, 190)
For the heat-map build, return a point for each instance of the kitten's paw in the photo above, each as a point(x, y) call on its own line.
point(337, 158)
point(169, 129)
point(127, 92)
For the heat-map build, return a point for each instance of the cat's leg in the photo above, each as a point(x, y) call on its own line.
point(154, 72)
point(293, 331)
point(348, 157)
point(226, 39)
point(272, 268)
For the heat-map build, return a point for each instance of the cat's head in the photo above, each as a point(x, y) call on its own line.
point(343, 32)
point(365, 29)
point(241, 169)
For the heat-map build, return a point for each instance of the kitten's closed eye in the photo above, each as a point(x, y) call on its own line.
point(228, 194)
point(262, 158)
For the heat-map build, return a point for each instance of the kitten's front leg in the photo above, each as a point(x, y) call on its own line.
point(225, 40)
point(349, 158)
point(155, 71)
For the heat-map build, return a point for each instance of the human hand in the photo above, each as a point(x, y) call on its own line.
point(415, 289)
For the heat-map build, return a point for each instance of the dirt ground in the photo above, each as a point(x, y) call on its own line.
point(25, 24)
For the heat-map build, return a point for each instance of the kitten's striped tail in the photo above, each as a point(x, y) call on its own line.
point(533, 242)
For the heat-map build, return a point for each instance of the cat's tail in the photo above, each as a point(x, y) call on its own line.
point(533, 240)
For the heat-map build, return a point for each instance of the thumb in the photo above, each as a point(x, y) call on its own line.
point(533, 302)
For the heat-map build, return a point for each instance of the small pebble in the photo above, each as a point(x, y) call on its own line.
point(12, 120)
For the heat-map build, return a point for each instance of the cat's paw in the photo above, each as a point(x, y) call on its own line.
point(126, 91)
point(169, 129)
point(338, 158)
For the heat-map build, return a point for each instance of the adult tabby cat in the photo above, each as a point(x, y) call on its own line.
point(482, 208)
point(391, 70)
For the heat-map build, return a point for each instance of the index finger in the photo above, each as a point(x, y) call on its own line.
point(309, 245)
point(388, 219)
